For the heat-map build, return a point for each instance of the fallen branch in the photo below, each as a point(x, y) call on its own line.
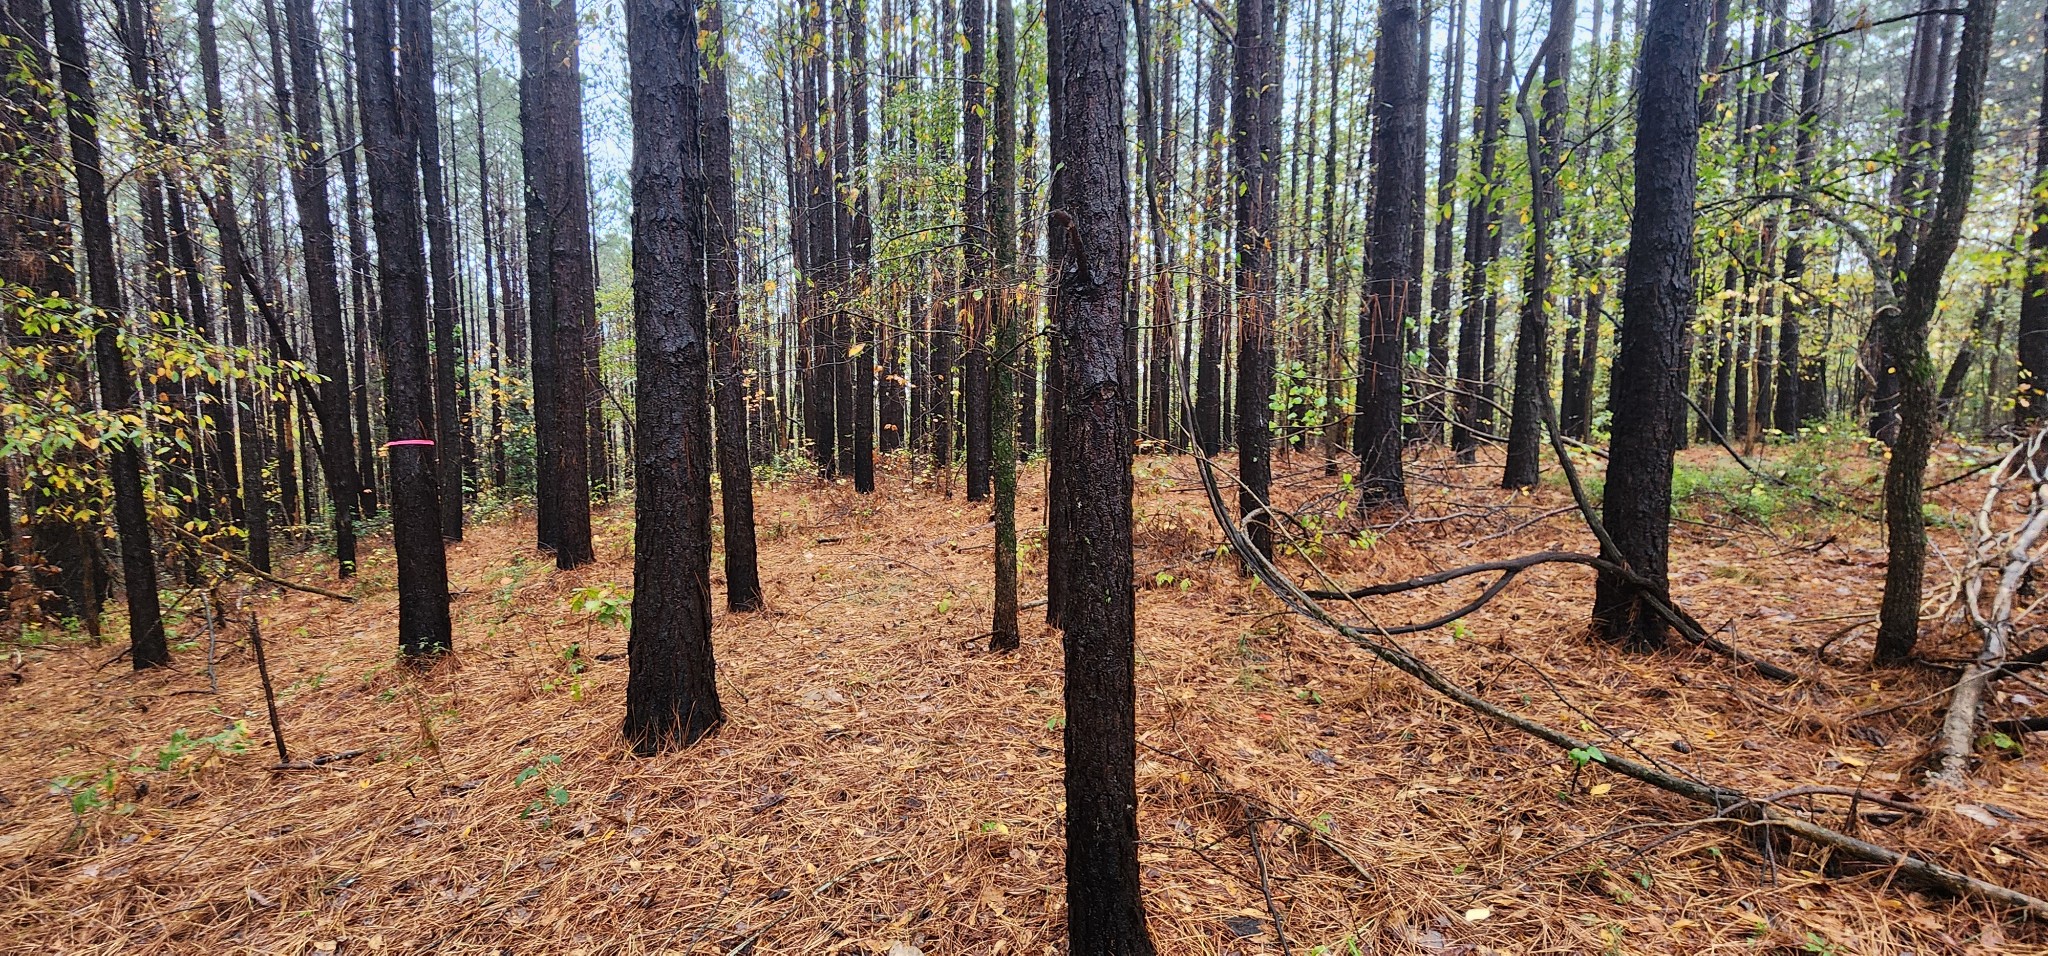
point(245, 567)
point(2011, 553)
point(1725, 802)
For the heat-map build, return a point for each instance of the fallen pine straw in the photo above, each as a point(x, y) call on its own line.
point(867, 731)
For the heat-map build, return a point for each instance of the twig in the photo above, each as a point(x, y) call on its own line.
point(269, 696)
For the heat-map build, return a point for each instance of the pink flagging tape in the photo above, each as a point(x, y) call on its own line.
point(409, 441)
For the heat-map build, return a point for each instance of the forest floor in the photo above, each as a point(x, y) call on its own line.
point(885, 784)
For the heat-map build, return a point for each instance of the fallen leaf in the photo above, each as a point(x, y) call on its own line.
point(1477, 913)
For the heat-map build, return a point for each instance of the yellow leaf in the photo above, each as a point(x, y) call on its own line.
point(1600, 789)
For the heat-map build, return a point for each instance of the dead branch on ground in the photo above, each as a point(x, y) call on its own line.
point(1728, 804)
point(2004, 557)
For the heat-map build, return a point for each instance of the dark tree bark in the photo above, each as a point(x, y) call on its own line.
point(1002, 215)
point(362, 283)
point(863, 359)
point(974, 240)
point(1482, 221)
point(1646, 400)
point(1215, 317)
point(147, 646)
point(35, 252)
point(392, 149)
point(1091, 251)
point(729, 378)
point(671, 684)
point(1337, 424)
point(1255, 145)
point(1444, 275)
point(416, 65)
point(1904, 334)
point(1155, 118)
point(1393, 291)
point(2032, 397)
point(1791, 412)
point(561, 287)
point(309, 176)
point(1532, 341)
point(845, 293)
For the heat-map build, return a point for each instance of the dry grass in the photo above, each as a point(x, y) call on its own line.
point(884, 780)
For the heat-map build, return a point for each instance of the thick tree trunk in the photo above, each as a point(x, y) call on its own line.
point(392, 150)
point(1657, 305)
point(416, 64)
point(1392, 291)
point(1090, 251)
point(671, 684)
point(560, 284)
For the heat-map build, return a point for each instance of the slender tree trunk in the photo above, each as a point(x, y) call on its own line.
point(1444, 252)
point(671, 684)
point(1255, 122)
point(729, 378)
point(974, 240)
point(416, 63)
point(361, 284)
point(1002, 215)
point(1904, 334)
point(147, 645)
point(1215, 318)
point(2032, 394)
point(1532, 342)
point(392, 147)
point(323, 289)
point(1657, 304)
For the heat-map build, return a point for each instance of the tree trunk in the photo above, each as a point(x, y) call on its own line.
point(729, 377)
point(1481, 220)
point(2032, 395)
point(392, 151)
point(1255, 145)
point(1532, 341)
point(1215, 318)
point(671, 683)
point(560, 284)
point(974, 241)
point(1657, 305)
point(1392, 291)
point(1002, 215)
point(416, 65)
point(1904, 334)
point(323, 290)
point(1091, 253)
point(147, 646)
